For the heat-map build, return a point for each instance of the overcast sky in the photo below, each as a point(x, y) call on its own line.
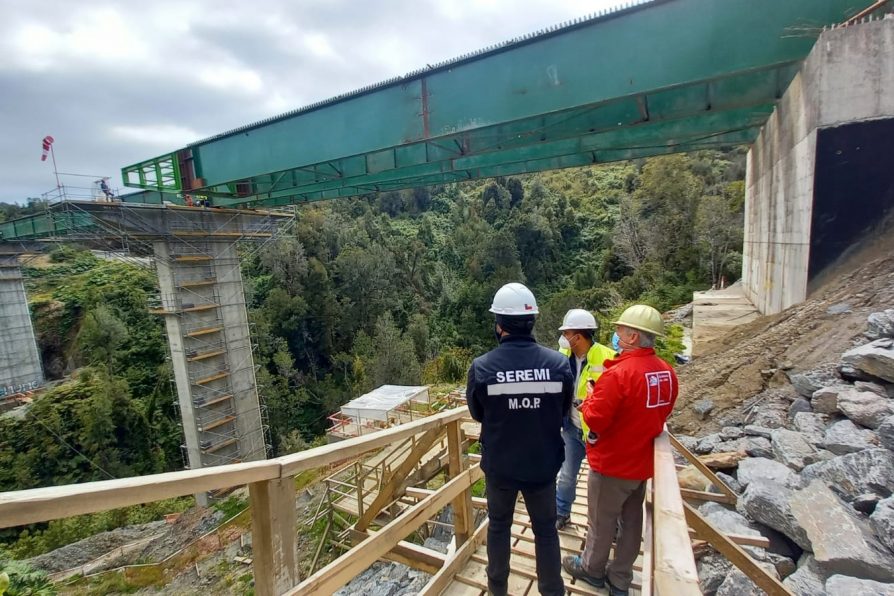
point(116, 82)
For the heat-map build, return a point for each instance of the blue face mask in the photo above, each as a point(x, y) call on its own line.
point(616, 342)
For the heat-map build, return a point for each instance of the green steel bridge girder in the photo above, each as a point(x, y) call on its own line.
point(591, 92)
point(649, 138)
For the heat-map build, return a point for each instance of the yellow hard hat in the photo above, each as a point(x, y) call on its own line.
point(642, 317)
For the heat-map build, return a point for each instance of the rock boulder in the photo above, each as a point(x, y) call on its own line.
point(738, 584)
point(875, 358)
point(880, 324)
point(842, 585)
point(882, 522)
point(809, 579)
point(886, 433)
point(793, 449)
point(769, 502)
point(812, 426)
point(845, 437)
point(865, 407)
point(852, 475)
point(825, 399)
point(841, 541)
point(762, 468)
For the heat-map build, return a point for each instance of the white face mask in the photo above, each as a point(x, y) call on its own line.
point(563, 343)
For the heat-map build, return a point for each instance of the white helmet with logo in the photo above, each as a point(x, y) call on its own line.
point(578, 318)
point(514, 299)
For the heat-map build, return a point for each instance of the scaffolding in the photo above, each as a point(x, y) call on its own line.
point(21, 370)
point(201, 299)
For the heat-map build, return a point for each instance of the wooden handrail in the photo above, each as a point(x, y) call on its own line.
point(44, 504)
point(674, 570)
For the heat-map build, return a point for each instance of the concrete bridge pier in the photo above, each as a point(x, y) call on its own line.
point(819, 175)
point(211, 351)
point(20, 365)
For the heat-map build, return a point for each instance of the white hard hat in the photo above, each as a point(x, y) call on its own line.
point(578, 318)
point(514, 299)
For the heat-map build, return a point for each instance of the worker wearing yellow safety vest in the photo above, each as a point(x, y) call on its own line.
point(586, 356)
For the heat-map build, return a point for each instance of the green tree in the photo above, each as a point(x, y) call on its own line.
point(101, 336)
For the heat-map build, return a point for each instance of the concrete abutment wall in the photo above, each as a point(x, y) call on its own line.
point(847, 78)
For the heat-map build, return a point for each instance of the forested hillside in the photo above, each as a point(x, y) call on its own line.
point(392, 287)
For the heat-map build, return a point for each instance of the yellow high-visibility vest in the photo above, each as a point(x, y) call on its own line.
point(592, 371)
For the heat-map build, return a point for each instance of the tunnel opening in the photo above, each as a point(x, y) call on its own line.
point(853, 189)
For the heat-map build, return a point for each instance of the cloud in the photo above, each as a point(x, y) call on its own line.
point(163, 135)
point(117, 82)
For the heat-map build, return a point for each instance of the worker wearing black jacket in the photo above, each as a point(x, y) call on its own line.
point(520, 392)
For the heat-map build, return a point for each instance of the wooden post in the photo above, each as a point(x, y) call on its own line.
point(439, 582)
point(359, 476)
point(463, 515)
point(273, 531)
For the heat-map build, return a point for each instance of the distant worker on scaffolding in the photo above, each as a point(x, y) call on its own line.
point(520, 392)
point(104, 187)
point(625, 410)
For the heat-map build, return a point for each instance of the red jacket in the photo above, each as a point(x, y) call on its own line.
point(626, 408)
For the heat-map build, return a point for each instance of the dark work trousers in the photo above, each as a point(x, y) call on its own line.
point(541, 505)
point(611, 501)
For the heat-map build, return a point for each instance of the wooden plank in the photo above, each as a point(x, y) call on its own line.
point(675, 571)
point(351, 448)
point(740, 539)
point(700, 465)
point(205, 355)
point(219, 422)
point(735, 554)
point(216, 400)
point(219, 446)
point(417, 557)
point(463, 516)
point(389, 491)
point(214, 377)
point(44, 504)
point(204, 331)
point(442, 578)
point(421, 493)
point(273, 532)
point(407, 553)
point(339, 572)
point(700, 495)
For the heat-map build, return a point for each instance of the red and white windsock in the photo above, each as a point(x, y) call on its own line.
point(47, 143)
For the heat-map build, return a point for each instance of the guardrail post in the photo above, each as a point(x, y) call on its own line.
point(273, 531)
point(463, 515)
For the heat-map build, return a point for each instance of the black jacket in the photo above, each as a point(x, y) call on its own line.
point(520, 392)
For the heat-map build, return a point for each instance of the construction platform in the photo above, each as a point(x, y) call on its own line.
point(471, 580)
point(717, 312)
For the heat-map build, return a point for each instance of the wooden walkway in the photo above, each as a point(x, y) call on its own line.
point(471, 580)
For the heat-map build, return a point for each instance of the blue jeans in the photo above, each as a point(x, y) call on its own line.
point(574, 453)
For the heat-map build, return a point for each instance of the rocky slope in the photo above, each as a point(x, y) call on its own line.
point(817, 476)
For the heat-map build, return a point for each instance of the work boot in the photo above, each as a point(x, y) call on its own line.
point(574, 565)
point(613, 591)
point(562, 521)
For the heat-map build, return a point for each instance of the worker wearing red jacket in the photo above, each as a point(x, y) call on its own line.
point(625, 410)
